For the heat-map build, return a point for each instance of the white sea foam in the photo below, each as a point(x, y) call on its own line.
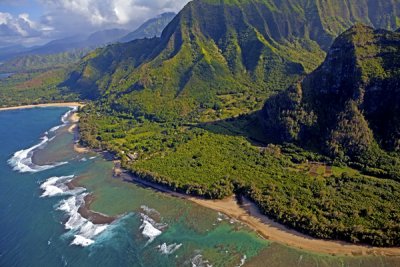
point(199, 261)
point(150, 228)
point(169, 249)
point(149, 211)
point(149, 231)
point(242, 261)
point(221, 217)
point(82, 241)
point(55, 128)
point(21, 161)
point(65, 117)
point(57, 186)
point(84, 231)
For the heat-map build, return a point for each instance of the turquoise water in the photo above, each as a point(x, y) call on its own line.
point(40, 226)
point(33, 229)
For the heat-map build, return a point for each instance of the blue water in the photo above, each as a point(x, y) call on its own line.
point(5, 75)
point(23, 214)
point(33, 229)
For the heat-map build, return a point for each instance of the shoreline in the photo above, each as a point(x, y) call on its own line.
point(249, 214)
point(66, 104)
point(85, 211)
point(246, 212)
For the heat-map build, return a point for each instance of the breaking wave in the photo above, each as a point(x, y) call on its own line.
point(83, 230)
point(168, 249)
point(57, 186)
point(199, 261)
point(21, 161)
point(242, 261)
point(65, 117)
point(150, 228)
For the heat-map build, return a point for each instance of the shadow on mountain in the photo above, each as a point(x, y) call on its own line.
point(246, 125)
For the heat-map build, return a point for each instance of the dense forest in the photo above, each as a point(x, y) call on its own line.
point(36, 75)
point(35, 87)
point(218, 59)
point(184, 113)
point(234, 98)
point(349, 106)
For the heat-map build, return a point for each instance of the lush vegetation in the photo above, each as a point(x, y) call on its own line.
point(215, 160)
point(38, 75)
point(213, 50)
point(182, 110)
point(349, 106)
point(31, 63)
point(34, 87)
point(35, 79)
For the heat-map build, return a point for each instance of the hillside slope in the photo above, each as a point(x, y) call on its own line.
point(226, 55)
point(168, 108)
point(350, 104)
point(31, 63)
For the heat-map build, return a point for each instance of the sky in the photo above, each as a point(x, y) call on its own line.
point(33, 22)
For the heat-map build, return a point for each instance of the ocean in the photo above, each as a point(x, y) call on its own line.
point(5, 75)
point(40, 224)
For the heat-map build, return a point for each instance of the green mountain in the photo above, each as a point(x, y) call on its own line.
point(349, 105)
point(168, 108)
point(222, 55)
point(60, 53)
point(151, 28)
point(39, 62)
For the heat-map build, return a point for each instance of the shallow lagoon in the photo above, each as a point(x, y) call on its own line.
point(152, 229)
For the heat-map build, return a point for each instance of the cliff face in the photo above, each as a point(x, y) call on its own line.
point(349, 103)
point(216, 48)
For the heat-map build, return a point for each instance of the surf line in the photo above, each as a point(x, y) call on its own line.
point(21, 161)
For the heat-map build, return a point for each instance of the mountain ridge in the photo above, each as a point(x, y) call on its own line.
point(241, 46)
point(185, 106)
point(150, 28)
point(348, 105)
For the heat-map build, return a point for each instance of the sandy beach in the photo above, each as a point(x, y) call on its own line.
point(248, 213)
point(66, 104)
point(74, 129)
point(80, 149)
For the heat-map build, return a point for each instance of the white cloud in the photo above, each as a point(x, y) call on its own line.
point(62, 18)
point(18, 27)
point(113, 12)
